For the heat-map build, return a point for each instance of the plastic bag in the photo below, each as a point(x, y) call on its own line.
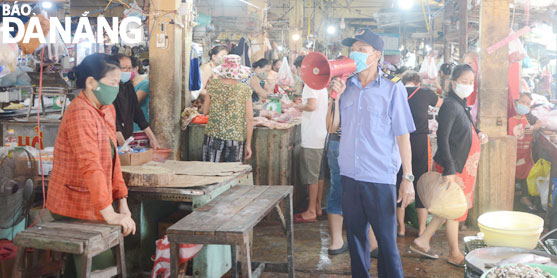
point(428, 70)
point(8, 55)
point(134, 11)
point(34, 43)
point(551, 120)
point(516, 50)
point(539, 175)
point(285, 77)
point(56, 49)
point(161, 267)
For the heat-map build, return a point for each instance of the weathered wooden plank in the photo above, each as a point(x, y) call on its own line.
point(94, 224)
point(121, 258)
point(103, 230)
point(147, 175)
point(253, 213)
point(198, 168)
point(62, 244)
point(228, 239)
point(105, 273)
point(203, 214)
point(81, 235)
point(224, 211)
point(86, 266)
point(99, 245)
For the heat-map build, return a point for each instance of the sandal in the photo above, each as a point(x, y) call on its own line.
point(374, 253)
point(333, 252)
point(457, 264)
point(298, 218)
point(428, 254)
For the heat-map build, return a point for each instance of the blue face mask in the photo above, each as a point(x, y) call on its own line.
point(125, 76)
point(361, 60)
point(522, 109)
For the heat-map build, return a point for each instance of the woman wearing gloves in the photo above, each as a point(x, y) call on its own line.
point(86, 177)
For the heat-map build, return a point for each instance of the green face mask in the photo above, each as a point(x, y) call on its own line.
point(106, 94)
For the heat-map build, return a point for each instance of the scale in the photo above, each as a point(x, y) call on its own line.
point(53, 85)
point(274, 103)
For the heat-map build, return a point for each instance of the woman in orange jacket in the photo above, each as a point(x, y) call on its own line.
point(86, 177)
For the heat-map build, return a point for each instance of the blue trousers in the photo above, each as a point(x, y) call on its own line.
point(365, 203)
point(334, 203)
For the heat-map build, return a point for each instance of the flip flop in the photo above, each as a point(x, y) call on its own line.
point(374, 253)
point(414, 248)
point(298, 218)
point(341, 250)
point(457, 264)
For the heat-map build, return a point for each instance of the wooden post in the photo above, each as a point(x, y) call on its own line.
point(295, 23)
point(463, 27)
point(447, 55)
point(496, 171)
point(166, 74)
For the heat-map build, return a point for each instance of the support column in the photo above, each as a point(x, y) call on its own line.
point(295, 22)
point(463, 27)
point(165, 79)
point(447, 55)
point(496, 172)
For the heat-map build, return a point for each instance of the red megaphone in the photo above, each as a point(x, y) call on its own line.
point(317, 70)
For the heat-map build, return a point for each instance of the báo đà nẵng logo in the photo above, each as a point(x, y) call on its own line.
point(129, 29)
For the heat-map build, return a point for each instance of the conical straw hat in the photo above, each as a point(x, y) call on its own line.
point(443, 199)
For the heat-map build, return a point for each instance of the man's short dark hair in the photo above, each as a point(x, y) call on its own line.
point(299, 60)
point(411, 76)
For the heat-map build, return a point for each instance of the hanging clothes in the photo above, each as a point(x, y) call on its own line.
point(242, 50)
point(195, 75)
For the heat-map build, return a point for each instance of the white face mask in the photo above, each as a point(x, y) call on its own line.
point(464, 91)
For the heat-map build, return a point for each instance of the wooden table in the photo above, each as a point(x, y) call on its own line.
point(273, 152)
point(149, 205)
point(229, 219)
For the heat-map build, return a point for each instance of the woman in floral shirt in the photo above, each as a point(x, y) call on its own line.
point(228, 103)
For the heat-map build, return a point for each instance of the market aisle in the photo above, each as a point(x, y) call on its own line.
point(312, 262)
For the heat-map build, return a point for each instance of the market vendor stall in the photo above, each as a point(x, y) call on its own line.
point(150, 204)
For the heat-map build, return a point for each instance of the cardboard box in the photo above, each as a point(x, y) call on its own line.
point(133, 159)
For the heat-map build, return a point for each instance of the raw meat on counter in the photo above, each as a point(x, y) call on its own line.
point(272, 124)
point(284, 118)
point(295, 113)
point(268, 114)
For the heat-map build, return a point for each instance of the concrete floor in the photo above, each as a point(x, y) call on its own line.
point(312, 261)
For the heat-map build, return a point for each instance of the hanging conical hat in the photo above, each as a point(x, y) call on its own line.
point(443, 199)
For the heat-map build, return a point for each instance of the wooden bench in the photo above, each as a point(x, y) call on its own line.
point(228, 220)
point(81, 238)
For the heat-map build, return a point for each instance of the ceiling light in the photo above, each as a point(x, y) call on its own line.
point(331, 30)
point(296, 37)
point(47, 5)
point(279, 48)
point(405, 4)
point(427, 48)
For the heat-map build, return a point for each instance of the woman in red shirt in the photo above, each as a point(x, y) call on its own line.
point(86, 177)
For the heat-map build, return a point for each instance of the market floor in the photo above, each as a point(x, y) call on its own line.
point(312, 260)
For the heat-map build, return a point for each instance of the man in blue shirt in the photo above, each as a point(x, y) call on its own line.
point(376, 125)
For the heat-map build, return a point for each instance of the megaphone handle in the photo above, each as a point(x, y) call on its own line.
point(334, 94)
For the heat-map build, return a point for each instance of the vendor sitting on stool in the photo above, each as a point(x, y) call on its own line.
point(127, 107)
point(86, 177)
